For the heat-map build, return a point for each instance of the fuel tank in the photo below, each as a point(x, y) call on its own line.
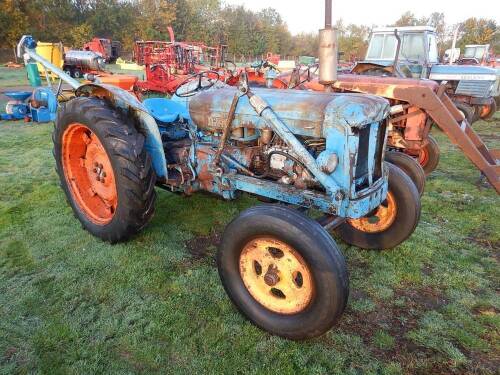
point(305, 113)
point(84, 59)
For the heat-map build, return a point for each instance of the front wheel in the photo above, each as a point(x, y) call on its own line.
point(392, 222)
point(104, 169)
point(428, 156)
point(283, 271)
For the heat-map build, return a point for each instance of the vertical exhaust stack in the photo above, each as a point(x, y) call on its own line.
point(328, 50)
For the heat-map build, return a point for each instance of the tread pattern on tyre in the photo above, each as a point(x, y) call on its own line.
point(134, 174)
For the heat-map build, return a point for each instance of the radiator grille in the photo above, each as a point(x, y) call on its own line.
point(478, 89)
point(362, 165)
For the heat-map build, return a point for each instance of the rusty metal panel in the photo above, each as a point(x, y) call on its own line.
point(302, 111)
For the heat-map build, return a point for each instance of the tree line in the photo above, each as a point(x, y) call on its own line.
point(246, 32)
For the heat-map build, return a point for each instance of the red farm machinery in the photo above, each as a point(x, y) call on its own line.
point(108, 49)
point(168, 64)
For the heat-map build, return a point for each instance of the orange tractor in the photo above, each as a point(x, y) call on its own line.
point(416, 105)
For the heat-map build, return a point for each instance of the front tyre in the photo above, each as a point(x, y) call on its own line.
point(410, 166)
point(392, 222)
point(283, 271)
point(104, 169)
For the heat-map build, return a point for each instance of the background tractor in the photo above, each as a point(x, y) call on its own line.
point(411, 52)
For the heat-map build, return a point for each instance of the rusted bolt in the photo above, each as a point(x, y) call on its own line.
point(271, 277)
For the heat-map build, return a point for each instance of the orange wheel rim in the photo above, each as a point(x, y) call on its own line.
point(381, 219)
point(89, 173)
point(485, 110)
point(423, 156)
point(276, 275)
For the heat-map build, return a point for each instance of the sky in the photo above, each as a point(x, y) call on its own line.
point(308, 16)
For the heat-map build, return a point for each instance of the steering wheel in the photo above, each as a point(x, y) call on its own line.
point(303, 74)
point(199, 87)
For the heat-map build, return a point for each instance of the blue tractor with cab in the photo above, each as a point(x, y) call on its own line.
point(412, 52)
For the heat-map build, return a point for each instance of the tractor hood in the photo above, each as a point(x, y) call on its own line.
point(462, 72)
point(305, 113)
point(384, 63)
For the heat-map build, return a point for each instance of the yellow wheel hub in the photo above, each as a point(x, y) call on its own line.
point(381, 219)
point(276, 275)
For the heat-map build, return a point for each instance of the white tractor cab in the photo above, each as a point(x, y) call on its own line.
point(412, 52)
point(478, 54)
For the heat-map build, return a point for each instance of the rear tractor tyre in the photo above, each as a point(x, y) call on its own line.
point(410, 166)
point(392, 222)
point(104, 169)
point(428, 156)
point(283, 271)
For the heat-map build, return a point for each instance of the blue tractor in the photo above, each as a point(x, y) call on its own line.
point(298, 151)
point(412, 52)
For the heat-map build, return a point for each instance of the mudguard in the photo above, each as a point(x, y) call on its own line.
point(145, 122)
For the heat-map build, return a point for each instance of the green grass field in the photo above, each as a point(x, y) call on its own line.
point(71, 304)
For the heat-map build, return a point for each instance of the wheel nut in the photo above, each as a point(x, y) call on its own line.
point(96, 164)
point(103, 174)
point(94, 170)
point(271, 277)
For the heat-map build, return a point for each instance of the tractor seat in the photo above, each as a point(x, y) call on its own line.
point(165, 110)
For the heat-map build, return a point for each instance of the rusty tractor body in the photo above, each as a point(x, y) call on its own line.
point(301, 149)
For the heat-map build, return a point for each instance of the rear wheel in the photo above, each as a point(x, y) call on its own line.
point(283, 271)
point(104, 169)
point(410, 166)
point(77, 73)
point(392, 222)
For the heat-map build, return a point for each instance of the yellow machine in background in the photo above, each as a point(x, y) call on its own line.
point(53, 52)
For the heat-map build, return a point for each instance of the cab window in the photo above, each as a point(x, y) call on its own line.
point(413, 47)
point(382, 47)
point(433, 49)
